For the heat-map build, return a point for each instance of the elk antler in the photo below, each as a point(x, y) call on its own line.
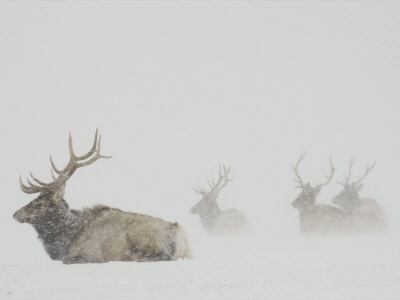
point(223, 179)
point(347, 177)
point(366, 173)
point(200, 190)
point(328, 178)
point(74, 163)
point(299, 180)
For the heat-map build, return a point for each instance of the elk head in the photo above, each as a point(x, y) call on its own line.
point(349, 197)
point(50, 203)
point(308, 194)
point(207, 207)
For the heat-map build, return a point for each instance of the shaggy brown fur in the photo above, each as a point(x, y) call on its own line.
point(102, 234)
point(367, 214)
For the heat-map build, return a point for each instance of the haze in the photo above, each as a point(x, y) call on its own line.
point(177, 88)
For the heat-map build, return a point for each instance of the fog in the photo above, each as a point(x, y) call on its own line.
point(177, 88)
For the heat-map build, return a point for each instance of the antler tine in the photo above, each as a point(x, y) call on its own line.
point(296, 172)
point(33, 188)
point(54, 166)
point(225, 183)
point(213, 181)
point(31, 184)
point(66, 169)
point(94, 158)
point(37, 180)
point(329, 178)
point(203, 190)
point(52, 175)
point(91, 151)
point(29, 189)
point(366, 173)
point(347, 177)
point(200, 190)
point(102, 156)
point(71, 148)
point(215, 184)
point(227, 170)
point(224, 176)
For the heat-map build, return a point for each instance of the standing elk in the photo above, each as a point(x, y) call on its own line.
point(98, 234)
point(366, 213)
point(317, 218)
point(214, 220)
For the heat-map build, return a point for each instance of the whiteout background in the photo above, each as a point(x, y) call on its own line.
point(177, 88)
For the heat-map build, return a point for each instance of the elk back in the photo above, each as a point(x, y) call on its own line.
point(115, 235)
point(231, 221)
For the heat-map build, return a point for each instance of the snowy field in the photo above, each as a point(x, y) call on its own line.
point(177, 88)
point(243, 268)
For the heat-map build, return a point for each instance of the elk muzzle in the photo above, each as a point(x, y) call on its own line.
point(295, 203)
point(20, 216)
point(194, 210)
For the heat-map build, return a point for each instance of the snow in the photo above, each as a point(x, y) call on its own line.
point(296, 267)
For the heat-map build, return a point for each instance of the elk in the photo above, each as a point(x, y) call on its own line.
point(98, 234)
point(317, 218)
point(214, 220)
point(366, 213)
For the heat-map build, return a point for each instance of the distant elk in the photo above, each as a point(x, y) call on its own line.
point(318, 218)
point(98, 234)
point(214, 220)
point(367, 215)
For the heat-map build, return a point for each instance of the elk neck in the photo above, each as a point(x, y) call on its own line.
point(58, 229)
point(209, 217)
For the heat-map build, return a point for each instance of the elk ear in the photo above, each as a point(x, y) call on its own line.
point(59, 194)
point(359, 186)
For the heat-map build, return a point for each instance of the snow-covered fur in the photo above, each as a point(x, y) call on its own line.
point(367, 214)
point(219, 222)
point(319, 218)
point(183, 247)
point(102, 234)
point(361, 216)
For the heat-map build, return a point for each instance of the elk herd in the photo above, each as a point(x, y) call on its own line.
point(103, 234)
point(349, 214)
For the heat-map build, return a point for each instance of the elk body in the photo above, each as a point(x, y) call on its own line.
point(367, 215)
point(214, 220)
point(318, 218)
point(98, 234)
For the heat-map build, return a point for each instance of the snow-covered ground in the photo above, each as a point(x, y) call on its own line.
point(257, 267)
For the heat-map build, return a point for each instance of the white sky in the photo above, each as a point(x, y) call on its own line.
point(176, 88)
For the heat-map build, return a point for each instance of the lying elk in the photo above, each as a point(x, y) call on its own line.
point(98, 234)
point(317, 218)
point(213, 219)
point(366, 213)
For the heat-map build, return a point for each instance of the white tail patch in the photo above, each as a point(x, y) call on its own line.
point(183, 244)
